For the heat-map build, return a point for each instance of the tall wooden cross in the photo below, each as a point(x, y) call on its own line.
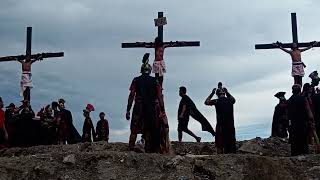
point(294, 38)
point(160, 22)
point(30, 56)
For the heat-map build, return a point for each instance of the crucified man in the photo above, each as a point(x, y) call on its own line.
point(26, 76)
point(159, 66)
point(297, 65)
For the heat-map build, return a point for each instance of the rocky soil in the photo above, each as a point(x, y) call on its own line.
point(256, 159)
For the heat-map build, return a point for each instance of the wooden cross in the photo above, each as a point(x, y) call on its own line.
point(30, 56)
point(294, 38)
point(160, 35)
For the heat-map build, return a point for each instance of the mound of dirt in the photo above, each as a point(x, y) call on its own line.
point(256, 159)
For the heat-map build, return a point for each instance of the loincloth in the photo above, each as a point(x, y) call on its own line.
point(297, 69)
point(159, 67)
point(26, 81)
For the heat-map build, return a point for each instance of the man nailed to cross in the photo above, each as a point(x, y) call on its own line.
point(159, 67)
point(295, 52)
point(26, 63)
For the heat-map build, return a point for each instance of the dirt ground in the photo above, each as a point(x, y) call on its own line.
point(255, 159)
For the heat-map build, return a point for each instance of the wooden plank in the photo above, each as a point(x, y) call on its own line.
point(284, 45)
point(33, 56)
point(160, 28)
point(182, 43)
point(294, 28)
point(29, 40)
point(136, 45)
point(171, 44)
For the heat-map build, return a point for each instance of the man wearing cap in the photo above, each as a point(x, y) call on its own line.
point(102, 128)
point(145, 91)
point(68, 133)
point(225, 130)
point(280, 123)
point(3, 131)
point(300, 117)
point(187, 108)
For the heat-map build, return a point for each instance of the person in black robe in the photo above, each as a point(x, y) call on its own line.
point(102, 128)
point(25, 129)
point(300, 117)
point(67, 129)
point(88, 128)
point(11, 117)
point(315, 98)
point(186, 109)
point(225, 130)
point(280, 123)
point(145, 91)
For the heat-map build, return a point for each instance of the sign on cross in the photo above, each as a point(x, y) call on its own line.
point(159, 46)
point(27, 60)
point(295, 52)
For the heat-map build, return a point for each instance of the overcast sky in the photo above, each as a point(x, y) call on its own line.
point(97, 70)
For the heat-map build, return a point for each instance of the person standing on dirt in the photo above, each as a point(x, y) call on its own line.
point(280, 122)
point(3, 131)
point(186, 109)
point(144, 92)
point(300, 117)
point(225, 130)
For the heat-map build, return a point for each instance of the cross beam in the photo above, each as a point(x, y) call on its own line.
point(160, 35)
point(29, 56)
point(28, 51)
point(294, 37)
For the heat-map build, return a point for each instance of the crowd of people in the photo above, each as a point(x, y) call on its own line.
point(299, 117)
point(53, 124)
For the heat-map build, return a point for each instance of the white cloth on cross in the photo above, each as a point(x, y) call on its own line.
point(159, 67)
point(297, 69)
point(26, 81)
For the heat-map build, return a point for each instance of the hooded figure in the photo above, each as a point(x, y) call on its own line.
point(280, 123)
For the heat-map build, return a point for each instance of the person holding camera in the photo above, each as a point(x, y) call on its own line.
point(225, 130)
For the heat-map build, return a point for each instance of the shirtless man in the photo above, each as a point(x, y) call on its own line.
point(26, 81)
point(297, 65)
point(159, 66)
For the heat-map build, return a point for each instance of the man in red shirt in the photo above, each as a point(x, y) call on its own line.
point(3, 131)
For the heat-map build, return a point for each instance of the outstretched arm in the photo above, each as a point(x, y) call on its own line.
point(278, 44)
point(311, 46)
point(20, 61)
point(39, 58)
point(146, 45)
point(207, 102)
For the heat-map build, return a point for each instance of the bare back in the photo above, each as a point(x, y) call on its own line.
point(295, 55)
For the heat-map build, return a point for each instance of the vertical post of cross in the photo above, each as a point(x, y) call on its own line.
point(294, 28)
point(29, 39)
point(160, 28)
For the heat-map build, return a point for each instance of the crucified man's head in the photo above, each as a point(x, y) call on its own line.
point(158, 42)
point(294, 46)
point(28, 58)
